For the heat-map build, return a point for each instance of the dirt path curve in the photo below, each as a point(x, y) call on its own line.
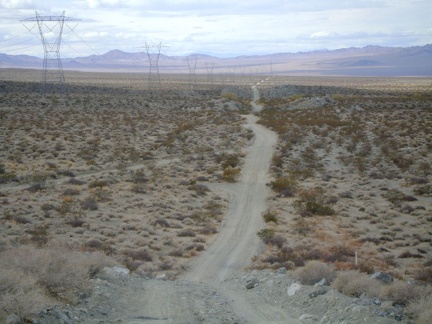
point(237, 241)
point(210, 291)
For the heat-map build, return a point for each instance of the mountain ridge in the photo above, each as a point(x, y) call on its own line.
point(371, 60)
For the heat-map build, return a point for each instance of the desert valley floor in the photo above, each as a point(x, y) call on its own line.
point(148, 175)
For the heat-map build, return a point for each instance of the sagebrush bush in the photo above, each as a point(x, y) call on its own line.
point(355, 283)
point(285, 186)
point(313, 272)
point(30, 277)
point(230, 174)
point(270, 217)
point(313, 201)
point(20, 293)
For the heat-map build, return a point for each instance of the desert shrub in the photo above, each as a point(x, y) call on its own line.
point(231, 160)
point(98, 184)
point(75, 181)
point(270, 217)
point(266, 234)
point(302, 226)
point(21, 220)
point(424, 274)
point(139, 254)
point(75, 222)
point(403, 292)
point(313, 201)
point(276, 240)
point(423, 190)
point(186, 233)
point(338, 253)
point(396, 196)
point(285, 186)
point(230, 96)
point(200, 189)
point(140, 188)
point(100, 194)
point(39, 235)
point(89, 203)
point(230, 174)
point(139, 176)
point(207, 230)
point(176, 253)
point(47, 207)
point(313, 272)
point(8, 177)
point(422, 307)
point(66, 173)
point(277, 160)
point(161, 222)
point(96, 245)
point(35, 187)
point(354, 283)
point(20, 294)
point(28, 273)
point(287, 253)
point(71, 192)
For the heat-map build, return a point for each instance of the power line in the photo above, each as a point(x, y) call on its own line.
point(51, 31)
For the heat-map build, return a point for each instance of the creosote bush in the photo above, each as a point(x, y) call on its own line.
point(30, 277)
point(285, 186)
point(313, 272)
point(270, 216)
point(313, 201)
point(230, 174)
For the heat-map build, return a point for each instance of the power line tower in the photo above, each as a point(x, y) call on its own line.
point(153, 54)
point(192, 61)
point(51, 31)
point(209, 67)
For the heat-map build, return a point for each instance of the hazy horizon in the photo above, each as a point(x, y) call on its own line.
point(218, 28)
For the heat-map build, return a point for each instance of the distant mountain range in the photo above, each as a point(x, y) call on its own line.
point(365, 61)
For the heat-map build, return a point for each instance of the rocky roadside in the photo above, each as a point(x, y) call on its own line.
point(120, 297)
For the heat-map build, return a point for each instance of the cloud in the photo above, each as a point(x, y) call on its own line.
point(93, 4)
point(16, 4)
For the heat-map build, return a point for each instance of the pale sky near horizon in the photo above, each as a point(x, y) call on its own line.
point(221, 28)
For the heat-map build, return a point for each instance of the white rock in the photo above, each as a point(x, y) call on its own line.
point(293, 289)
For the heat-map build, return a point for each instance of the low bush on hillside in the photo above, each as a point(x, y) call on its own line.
point(32, 278)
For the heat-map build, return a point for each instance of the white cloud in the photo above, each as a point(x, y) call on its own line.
point(16, 4)
point(241, 26)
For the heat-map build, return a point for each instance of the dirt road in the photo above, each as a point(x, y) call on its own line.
point(207, 292)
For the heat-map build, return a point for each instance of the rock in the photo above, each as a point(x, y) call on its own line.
point(358, 309)
point(121, 270)
point(319, 292)
point(252, 283)
point(383, 277)
point(13, 319)
point(161, 276)
point(187, 221)
point(282, 270)
point(293, 289)
point(322, 282)
point(308, 317)
point(326, 177)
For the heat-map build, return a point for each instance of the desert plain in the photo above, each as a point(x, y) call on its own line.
point(136, 169)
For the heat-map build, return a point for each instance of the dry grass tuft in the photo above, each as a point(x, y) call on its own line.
point(313, 272)
point(31, 277)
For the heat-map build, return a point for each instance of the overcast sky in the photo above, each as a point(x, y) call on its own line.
point(219, 27)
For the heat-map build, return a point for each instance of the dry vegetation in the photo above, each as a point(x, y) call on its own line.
point(115, 169)
point(122, 171)
point(352, 176)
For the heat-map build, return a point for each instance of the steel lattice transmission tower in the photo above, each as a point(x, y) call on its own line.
point(51, 31)
point(153, 54)
point(192, 61)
